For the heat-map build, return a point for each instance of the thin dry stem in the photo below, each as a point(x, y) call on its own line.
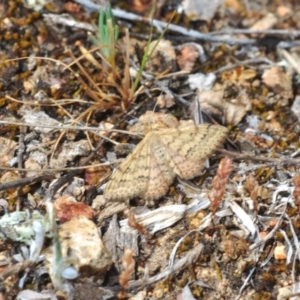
point(113, 79)
point(126, 82)
point(61, 169)
point(87, 54)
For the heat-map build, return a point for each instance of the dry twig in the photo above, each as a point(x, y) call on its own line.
point(209, 37)
point(244, 63)
point(23, 181)
point(160, 25)
point(21, 151)
point(274, 161)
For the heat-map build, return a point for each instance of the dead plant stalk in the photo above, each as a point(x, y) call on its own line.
point(219, 183)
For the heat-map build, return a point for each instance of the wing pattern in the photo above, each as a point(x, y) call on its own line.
point(151, 168)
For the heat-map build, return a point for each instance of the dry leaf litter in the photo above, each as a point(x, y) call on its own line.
point(85, 152)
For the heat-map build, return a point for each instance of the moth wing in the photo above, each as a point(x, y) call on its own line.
point(188, 148)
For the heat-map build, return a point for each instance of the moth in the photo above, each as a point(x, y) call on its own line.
point(161, 156)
